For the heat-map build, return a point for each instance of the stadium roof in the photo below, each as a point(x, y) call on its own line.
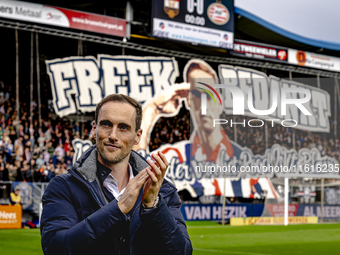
point(308, 25)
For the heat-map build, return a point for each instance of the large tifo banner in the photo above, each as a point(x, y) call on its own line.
point(61, 17)
point(151, 80)
point(205, 22)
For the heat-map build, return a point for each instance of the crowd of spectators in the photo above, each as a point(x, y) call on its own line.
point(34, 152)
point(171, 130)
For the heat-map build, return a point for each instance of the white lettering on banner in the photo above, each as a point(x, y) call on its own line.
point(255, 50)
point(61, 76)
point(115, 76)
point(98, 23)
point(90, 92)
point(204, 212)
point(329, 211)
point(304, 163)
point(80, 146)
point(189, 211)
point(308, 211)
point(217, 212)
point(7, 216)
point(139, 85)
point(299, 100)
point(194, 174)
point(197, 212)
point(235, 211)
point(91, 79)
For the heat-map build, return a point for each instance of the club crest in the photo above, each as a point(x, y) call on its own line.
point(218, 13)
point(171, 8)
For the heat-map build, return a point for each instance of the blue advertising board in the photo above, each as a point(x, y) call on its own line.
point(329, 211)
point(214, 211)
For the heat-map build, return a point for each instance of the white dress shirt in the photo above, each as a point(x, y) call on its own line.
point(111, 184)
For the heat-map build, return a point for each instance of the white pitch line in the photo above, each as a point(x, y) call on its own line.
point(30, 234)
point(205, 227)
point(231, 252)
point(297, 230)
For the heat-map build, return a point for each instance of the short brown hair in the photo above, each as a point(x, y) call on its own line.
point(123, 99)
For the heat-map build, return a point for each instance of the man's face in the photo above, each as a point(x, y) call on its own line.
point(206, 121)
point(115, 132)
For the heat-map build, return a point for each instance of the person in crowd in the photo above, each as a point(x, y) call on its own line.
point(41, 140)
point(14, 197)
point(40, 161)
point(46, 156)
point(60, 150)
point(12, 173)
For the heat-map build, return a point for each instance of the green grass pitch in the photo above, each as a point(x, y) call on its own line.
point(211, 238)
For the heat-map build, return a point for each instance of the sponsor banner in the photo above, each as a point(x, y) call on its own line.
point(277, 210)
point(308, 59)
point(329, 211)
point(26, 194)
point(272, 221)
point(206, 22)
point(259, 51)
point(10, 216)
point(61, 17)
point(214, 211)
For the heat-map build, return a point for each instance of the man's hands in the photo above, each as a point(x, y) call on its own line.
point(130, 195)
point(154, 183)
point(151, 177)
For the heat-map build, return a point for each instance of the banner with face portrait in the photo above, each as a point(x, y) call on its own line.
point(264, 105)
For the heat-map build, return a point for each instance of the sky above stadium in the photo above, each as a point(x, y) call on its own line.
point(308, 21)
